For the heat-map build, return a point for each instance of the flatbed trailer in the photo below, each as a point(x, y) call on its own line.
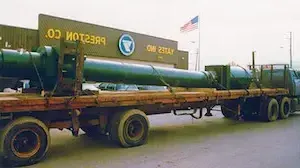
point(26, 118)
point(58, 101)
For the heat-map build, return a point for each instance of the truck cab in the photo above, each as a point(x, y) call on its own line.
point(280, 76)
point(295, 83)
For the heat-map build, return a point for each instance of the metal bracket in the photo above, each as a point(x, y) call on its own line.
point(70, 51)
point(103, 123)
point(191, 114)
point(75, 122)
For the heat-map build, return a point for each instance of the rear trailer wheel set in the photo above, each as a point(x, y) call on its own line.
point(265, 109)
point(25, 140)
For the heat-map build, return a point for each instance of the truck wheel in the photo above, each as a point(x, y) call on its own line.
point(129, 128)
point(270, 110)
point(229, 109)
point(24, 141)
point(285, 108)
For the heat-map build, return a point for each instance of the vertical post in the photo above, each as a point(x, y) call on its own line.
point(253, 65)
point(261, 72)
point(196, 66)
point(285, 76)
point(79, 68)
point(75, 121)
point(198, 55)
point(291, 51)
point(61, 60)
point(271, 77)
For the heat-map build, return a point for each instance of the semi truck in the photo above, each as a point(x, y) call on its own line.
point(55, 99)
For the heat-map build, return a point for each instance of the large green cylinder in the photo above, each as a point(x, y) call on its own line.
point(22, 65)
point(240, 78)
point(110, 71)
point(19, 64)
point(26, 66)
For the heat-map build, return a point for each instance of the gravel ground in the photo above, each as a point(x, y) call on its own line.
point(181, 142)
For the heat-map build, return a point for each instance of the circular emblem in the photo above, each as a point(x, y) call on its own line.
point(126, 44)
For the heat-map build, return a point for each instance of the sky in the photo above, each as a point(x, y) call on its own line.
point(229, 30)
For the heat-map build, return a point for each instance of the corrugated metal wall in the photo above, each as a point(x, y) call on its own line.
point(16, 37)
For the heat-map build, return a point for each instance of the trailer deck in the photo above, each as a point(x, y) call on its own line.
point(33, 102)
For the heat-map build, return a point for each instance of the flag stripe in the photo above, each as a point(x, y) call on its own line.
point(188, 27)
point(191, 25)
point(191, 28)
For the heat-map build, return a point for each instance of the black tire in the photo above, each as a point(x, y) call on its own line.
point(129, 128)
point(270, 110)
point(285, 107)
point(229, 109)
point(24, 141)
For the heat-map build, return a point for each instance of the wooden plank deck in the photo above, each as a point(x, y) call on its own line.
point(26, 102)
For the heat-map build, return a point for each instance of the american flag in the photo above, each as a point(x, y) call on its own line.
point(191, 25)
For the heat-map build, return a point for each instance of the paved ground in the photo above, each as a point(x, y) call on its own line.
point(181, 142)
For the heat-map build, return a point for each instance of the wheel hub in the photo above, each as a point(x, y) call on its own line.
point(25, 143)
point(135, 129)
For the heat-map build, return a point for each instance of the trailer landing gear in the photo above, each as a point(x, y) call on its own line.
point(208, 112)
